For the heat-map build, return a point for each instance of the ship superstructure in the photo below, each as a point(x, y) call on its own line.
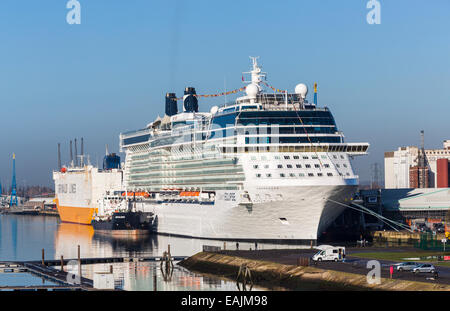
point(269, 166)
point(80, 188)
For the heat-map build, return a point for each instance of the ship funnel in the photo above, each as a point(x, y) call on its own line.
point(190, 102)
point(171, 104)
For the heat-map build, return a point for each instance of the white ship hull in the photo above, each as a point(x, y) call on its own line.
point(301, 215)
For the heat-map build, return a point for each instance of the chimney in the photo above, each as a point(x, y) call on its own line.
point(171, 104)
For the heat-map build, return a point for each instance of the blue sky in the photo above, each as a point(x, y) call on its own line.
point(383, 83)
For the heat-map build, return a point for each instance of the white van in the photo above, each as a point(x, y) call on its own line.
point(329, 253)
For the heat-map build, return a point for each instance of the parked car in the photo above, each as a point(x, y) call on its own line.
point(424, 268)
point(439, 227)
point(406, 266)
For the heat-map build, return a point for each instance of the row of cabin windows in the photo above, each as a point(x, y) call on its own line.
point(283, 175)
point(296, 157)
point(326, 165)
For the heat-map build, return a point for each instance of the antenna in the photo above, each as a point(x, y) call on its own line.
point(59, 156)
point(76, 154)
point(71, 155)
point(422, 161)
point(256, 73)
point(82, 152)
point(375, 176)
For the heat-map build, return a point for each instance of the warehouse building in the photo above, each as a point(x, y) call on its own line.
point(402, 168)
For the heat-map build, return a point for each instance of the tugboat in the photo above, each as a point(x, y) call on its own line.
point(119, 216)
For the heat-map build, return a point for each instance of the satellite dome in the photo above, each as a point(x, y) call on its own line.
point(252, 90)
point(301, 89)
point(214, 109)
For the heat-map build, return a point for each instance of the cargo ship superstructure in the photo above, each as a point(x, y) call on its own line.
point(269, 166)
point(80, 187)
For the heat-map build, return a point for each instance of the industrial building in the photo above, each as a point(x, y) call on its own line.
point(414, 167)
point(430, 205)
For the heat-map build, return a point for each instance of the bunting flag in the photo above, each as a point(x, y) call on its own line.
point(217, 95)
point(274, 89)
point(235, 91)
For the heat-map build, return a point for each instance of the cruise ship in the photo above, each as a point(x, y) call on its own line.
point(270, 166)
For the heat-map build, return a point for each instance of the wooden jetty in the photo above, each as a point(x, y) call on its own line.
point(44, 269)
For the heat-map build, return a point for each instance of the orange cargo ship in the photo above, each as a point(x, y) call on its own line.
point(79, 189)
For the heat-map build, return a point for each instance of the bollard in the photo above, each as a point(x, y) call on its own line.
point(154, 281)
point(43, 257)
point(168, 249)
point(303, 261)
point(311, 244)
point(224, 246)
point(110, 269)
point(62, 263)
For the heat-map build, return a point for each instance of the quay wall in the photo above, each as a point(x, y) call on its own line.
point(275, 276)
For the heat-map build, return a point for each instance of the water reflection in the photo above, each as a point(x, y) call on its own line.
point(23, 237)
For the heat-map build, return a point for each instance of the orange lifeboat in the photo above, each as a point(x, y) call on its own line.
point(189, 193)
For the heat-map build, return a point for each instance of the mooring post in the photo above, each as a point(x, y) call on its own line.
point(43, 257)
point(79, 262)
point(62, 263)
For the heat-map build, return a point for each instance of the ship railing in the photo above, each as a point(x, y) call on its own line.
point(352, 149)
point(135, 133)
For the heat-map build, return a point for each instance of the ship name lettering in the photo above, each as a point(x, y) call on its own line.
point(73, 188)
point(229, 196)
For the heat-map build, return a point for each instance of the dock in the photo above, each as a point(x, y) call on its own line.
point(44, 269)
point(292, 269)
point(23, 210)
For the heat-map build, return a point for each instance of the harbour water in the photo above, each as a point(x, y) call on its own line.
point(23, 237)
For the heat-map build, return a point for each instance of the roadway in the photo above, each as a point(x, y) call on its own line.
point(352, 264)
